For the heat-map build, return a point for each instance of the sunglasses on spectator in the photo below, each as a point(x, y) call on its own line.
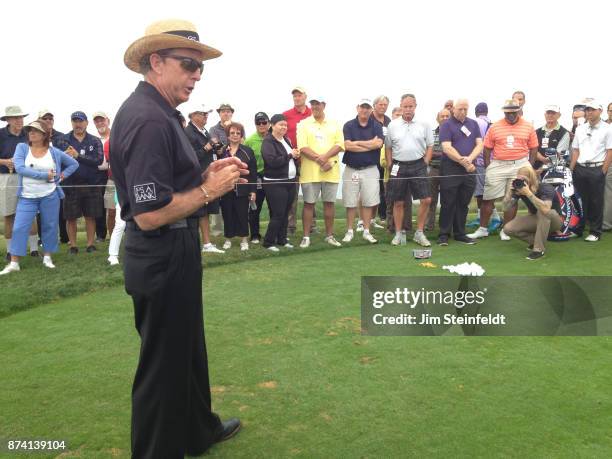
point(261, 122)
point(187, 63)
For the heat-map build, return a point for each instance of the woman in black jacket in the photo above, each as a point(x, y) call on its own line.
point(278, 181)
point(235, 204)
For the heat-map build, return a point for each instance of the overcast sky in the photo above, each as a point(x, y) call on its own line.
point(68, 55)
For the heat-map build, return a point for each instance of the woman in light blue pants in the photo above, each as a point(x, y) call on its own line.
point(41, 168)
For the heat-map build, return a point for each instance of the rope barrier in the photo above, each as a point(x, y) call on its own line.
point(268, 182)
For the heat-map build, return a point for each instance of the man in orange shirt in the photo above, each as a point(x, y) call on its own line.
point(510, 143)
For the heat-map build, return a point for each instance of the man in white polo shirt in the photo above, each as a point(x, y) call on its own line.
point(591, 157)
point(409, 146)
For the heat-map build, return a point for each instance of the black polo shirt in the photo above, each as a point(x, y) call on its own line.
point(151, 156)
point(8, 144)
point(354, 131)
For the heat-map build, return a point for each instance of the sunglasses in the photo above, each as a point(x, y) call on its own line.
point(261, 123)
point(187, 63)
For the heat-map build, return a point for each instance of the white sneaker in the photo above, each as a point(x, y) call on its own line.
point(112, 260)
point(273, 248)
point(331, 240)
point(368, 237)
point(255, 241)
point(375, 224)
point(305, 242)
point(503, 236)
point(591, 238)
point(11, 267)
point(244, 246)
point(348, 237)
point(288, 245)
point(480, 232)
point(421, 239)
point(211, 248)
point(48, 263)
point(360, 226)
point(227, 245)
point(397, 239)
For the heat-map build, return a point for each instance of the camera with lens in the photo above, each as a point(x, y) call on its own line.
point(518, 183)
point(216, 145)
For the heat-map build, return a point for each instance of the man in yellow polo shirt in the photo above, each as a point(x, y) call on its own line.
point(319, 141)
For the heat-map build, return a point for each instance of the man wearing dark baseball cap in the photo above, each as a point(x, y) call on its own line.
point(254, 141)
point(84, 198)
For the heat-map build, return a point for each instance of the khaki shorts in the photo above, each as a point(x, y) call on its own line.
point(109, 195)
point(363, 185)
point(327, 190)
point(499, 176)
point(8, 194)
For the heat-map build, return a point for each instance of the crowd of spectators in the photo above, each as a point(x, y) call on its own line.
point(49, 180)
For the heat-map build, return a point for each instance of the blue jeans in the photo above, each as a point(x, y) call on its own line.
point(27, 208)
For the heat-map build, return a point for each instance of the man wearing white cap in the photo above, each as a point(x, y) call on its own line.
point(161, 192)
point(300, 111)
point(591, 157)
point(201, 141)
point(10, 136)
point(319, 142)
point(551, 135)
point(363, 139)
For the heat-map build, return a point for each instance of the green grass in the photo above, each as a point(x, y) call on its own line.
point(287, 357)
point(83, 273)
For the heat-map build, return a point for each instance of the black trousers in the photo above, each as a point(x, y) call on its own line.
point(235, 211)
point(590, 182)
point(62, 224)
point(455, 196)
point(101, 229)
point(171, 406)
point(254, 214)
point(382, 206)
point(280, 197)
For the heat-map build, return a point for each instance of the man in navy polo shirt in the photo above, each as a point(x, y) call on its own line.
point(462, 143)
point(84, 196)
point(363, 139)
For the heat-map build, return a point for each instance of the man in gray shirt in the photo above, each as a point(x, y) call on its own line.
point(409, 146)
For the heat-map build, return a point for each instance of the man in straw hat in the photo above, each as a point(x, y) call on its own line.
point(161, 193)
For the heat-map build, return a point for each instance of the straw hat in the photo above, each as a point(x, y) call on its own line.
point(165, 34)
point(511, 105)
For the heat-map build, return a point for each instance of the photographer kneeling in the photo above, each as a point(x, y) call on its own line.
point(543, 217)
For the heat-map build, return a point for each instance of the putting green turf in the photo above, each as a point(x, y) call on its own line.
point(287, 357)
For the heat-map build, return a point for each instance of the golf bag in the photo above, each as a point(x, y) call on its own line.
point(558, 174)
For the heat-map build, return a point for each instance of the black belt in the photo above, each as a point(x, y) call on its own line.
point(408, 163)
point(591, 164)
point(183, 223)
